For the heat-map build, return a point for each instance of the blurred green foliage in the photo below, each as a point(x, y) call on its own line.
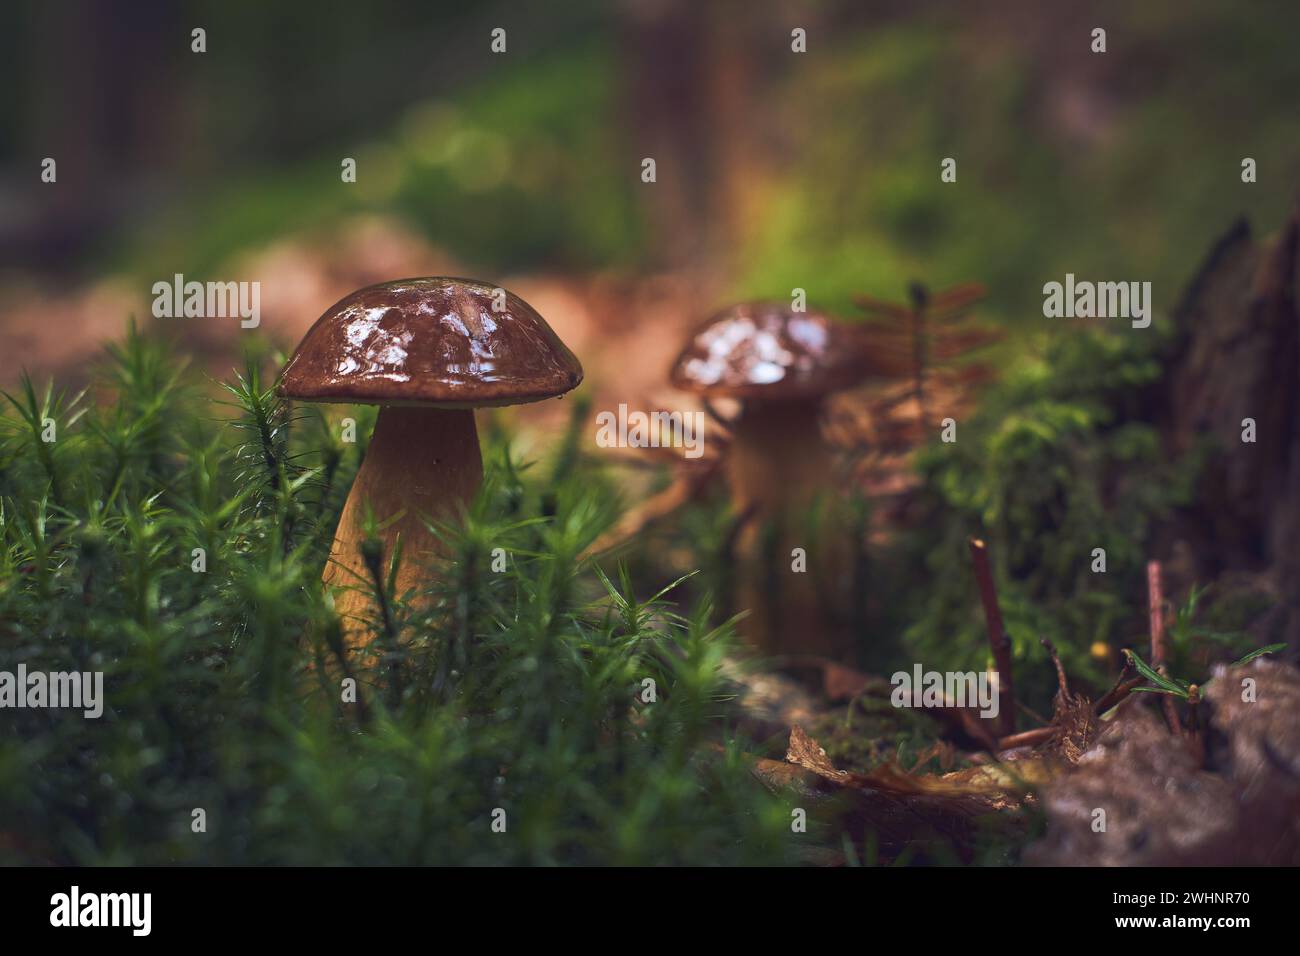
point(1066, 161)
point(515, 171)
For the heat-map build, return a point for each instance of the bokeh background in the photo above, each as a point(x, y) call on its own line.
point(775, 169)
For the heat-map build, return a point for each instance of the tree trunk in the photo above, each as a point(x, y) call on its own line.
point(1237, 357)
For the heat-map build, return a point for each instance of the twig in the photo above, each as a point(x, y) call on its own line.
point(964, 721)
point(1120, 694)
point(1156, 598)
point(1027, 738)
point(999, 642)
point(1030, 738)
point(1060, 668)
point(1121, 689)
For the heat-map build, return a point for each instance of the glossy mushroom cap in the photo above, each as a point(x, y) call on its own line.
point(764, 350)
point(433, 341)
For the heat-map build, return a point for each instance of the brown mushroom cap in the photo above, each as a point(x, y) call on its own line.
point(765, 350)
point(432, 341)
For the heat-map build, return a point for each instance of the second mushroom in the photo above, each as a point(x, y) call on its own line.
point(781, 365)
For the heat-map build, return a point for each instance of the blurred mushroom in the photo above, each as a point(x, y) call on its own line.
point(428, 351)
point(781, 365)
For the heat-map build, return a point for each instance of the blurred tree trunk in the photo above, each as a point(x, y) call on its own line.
point(104, 107)
point(666, 42)
point(1237, 357)
point(697, 77)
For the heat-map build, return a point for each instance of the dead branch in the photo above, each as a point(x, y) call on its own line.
point(1027, 738)
point(1119, 694)
point(999, 641)
point(1120, 690)
point(1061, 682)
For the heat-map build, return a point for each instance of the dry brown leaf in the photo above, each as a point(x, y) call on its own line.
point(890, 778)
point(807, 753)
point(900, 810)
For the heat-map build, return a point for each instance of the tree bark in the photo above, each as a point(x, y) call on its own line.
point(1237, 356)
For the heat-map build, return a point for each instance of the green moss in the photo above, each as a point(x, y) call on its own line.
point(1058, 461)
point(521, 690)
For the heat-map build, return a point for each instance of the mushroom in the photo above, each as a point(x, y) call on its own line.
point(781, 365)
point(428, 352)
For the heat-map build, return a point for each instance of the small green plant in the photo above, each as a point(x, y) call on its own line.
point(1176, 687)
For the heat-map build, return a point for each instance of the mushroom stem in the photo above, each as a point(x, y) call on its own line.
point(422, 465)
point(778, 459)
point(777, 465)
